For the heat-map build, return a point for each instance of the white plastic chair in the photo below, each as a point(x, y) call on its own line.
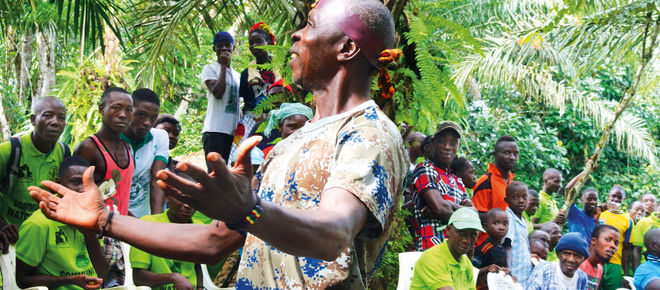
point(8, 268)
point(128, 271)
point(208, 282)
point(630, 283)
point(407, 262)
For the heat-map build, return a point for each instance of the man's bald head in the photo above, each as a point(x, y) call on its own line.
point(376, 17)
point(539, 235)
point(46, 102)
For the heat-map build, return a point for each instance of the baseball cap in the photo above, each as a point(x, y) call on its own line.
point(466, 218)
point(449, 125)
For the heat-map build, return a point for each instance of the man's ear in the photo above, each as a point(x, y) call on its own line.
point(33, 118)
point(349, 50)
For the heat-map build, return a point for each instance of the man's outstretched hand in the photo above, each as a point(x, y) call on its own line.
point(79, 209)
point(224, 194)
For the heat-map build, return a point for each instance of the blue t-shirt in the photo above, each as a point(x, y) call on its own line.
point(647, 272)
point(580, 222)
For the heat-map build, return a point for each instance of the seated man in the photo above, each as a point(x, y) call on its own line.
point(571, 250)
point(647, 275)
point(55, 255)
point(446, 266)
point(555, 234)
point(161, 273)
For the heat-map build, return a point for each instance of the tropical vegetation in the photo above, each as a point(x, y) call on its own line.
point(574, 81)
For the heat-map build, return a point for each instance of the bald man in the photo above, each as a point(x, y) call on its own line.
point(39, 159)
point(308, 226)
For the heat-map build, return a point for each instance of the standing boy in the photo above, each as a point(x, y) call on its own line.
point(521, 260)
point(584, 220)
point(149, 147)
point(548, 210)
point(614, 216)
point(532, 207)
point(55, 255)
point(222, 113)
point(604, 242)
point(640, 230)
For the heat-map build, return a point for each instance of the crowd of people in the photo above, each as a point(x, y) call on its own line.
point(319, 208)
point(517, 230)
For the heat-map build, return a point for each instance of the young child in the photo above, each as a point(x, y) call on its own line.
point(463, 168)
point(55, 255)
point(492, 251)
point(521, 260)
point(532, 207)
point(604, 242)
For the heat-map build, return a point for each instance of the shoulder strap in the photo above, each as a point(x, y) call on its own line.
point(12, 164)
point(65, 150)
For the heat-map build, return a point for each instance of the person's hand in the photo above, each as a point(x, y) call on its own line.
point(428, 213)
point(79, 209)
point(225, 58)
point(467, 203)
point(181, 282)
point(87, 282)
point(560, 218)
point(224, 194)
point(11, 231)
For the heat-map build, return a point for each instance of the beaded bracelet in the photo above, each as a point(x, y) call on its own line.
point(107, 221)
point(249, 219)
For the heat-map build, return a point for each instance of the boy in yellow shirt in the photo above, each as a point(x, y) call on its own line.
point(614, 216)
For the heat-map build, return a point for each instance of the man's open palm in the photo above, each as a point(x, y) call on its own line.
point(79, 209)
point(224, 194)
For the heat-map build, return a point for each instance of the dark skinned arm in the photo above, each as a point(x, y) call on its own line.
point(157, 198)
point(636, 257)
point(440, 207)
point(143, 277)
point(625, 257)
point(26, 276)
point(205, 244)
point(218, 87)
point(96, 255)
point(88, 150)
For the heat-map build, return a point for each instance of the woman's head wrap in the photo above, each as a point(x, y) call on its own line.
point(223, 36)
point(265, 28)
point(279, 83)
point(285, 111)
point(371, 46)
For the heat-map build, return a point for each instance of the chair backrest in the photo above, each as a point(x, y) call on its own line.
point(8, 267)
point(631, 281)
point(207, 282)
point(128, 270)
point(407, 262)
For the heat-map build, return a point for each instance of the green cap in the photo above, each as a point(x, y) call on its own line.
point(449, 125)
point(466, 218)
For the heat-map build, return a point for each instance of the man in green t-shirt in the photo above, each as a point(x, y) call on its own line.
point(548, 210)
point(55, 255)
point(639, 231)
point(446, 266)
point(39, 160)
point(160, 273)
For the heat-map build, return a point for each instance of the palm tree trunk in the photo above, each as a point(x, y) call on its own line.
point(46, 55)
point(23, 74)
point(647, 55)
point(4, 124)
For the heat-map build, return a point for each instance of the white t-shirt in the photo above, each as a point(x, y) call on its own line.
point(155, 146)
point(221, 115)
point(565, 281)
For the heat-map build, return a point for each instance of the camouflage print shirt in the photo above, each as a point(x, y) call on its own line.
point(360, 151)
